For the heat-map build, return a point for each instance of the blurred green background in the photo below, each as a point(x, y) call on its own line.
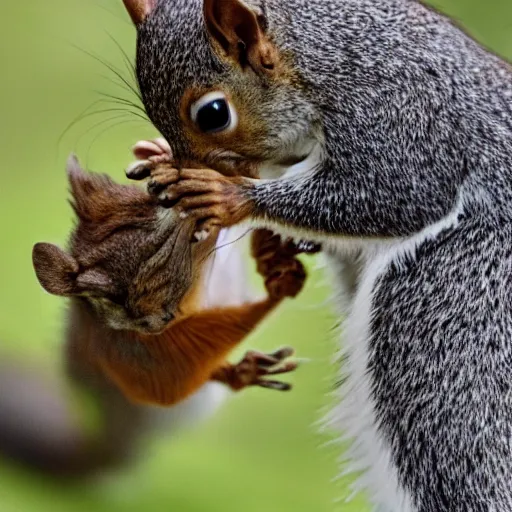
point(263, 450)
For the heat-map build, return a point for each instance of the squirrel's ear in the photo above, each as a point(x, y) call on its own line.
point(139, 9)
point(82, 187)
point(239, 32)
point(75, 172)
point(90, 191)
point(56, 270)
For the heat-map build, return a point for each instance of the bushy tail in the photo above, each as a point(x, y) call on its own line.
point(43, 425)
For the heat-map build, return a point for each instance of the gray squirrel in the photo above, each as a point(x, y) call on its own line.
point(384, 132)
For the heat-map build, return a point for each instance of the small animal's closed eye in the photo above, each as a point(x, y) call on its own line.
point(213, 113)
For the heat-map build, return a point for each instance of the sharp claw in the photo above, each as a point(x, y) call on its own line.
point(139, 170)
point(275, 385)
point(285, 368)
point(309, 247)
point(283, 353)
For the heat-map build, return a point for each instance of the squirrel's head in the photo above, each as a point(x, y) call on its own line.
point(133, 261)
point(219, 87)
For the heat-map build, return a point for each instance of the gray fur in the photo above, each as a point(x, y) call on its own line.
point(440, 359)
point(415, 122)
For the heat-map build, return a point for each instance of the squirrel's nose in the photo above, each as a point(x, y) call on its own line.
point(155, 323)
point(168, 317)
point(144, 324)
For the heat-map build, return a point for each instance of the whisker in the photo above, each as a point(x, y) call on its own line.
point(121, 85)
point(108, 128)
point(100, 123)
point(120, 100)
point(212, 266)
point(117, 72)
point(216, 249)
point(77, 119)
point(227, 244)
point(85, 115)
point(114, 14)
point(126, 58)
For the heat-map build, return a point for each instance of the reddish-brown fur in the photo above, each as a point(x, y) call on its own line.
point(166, 368)
point(132, 273)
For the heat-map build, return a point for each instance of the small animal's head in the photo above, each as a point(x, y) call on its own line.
point(220, 86)
point(131, 260)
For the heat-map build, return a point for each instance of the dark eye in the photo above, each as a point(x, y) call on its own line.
point(213, 113)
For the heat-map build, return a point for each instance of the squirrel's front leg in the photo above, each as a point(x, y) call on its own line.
point(324, 200)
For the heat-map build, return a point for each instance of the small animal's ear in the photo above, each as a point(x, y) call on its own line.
point(238, 30)
point(91, 192)
point(139, 9)
point(82, 187)
point(56, 270)
point(76, 175)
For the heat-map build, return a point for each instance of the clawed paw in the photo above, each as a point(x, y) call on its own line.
point(149, 154)
point(255, 366)
point(208, 197)
point(286, 279)
point(276, 261)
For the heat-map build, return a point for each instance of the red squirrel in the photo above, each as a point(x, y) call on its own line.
point(137, 333)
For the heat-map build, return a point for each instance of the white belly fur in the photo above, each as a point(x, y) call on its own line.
point(355, 415)
point(368, 454)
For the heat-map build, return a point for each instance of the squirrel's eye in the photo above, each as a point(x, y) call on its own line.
point(213, 113)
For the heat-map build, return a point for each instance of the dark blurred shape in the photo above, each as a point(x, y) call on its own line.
point(42, 430)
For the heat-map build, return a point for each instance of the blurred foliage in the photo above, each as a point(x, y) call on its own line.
point(263, 450)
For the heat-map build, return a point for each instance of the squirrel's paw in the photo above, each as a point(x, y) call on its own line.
point(149, 155)
point(207, 196)
point(211, 198)
point(266, 243)
point(286, 278)
point(255, 366)
point(276, 261)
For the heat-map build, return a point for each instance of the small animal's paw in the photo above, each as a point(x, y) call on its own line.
point(149, 154)
point(265, 244)
point(276, 261)
point(286, 278)
point(255, 366)
point(209, 197)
